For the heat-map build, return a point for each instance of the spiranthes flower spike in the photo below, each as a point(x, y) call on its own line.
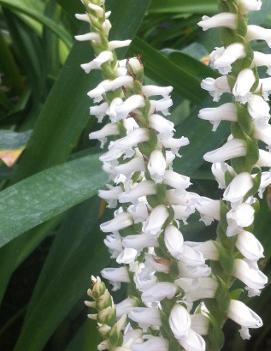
point(237, 164)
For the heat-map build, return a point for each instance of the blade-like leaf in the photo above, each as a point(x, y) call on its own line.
point(47, 194)
point(172, 6)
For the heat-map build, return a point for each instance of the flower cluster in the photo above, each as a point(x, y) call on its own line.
point(160, 269)
point(244, 175)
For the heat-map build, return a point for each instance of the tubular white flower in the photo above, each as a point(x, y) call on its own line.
point(249, 246)
point(111, 195)
point(120, 221)
point(200, 323)
point(159, 292)
point(157, 166)
point(176, 180)
point(222, 58)
point(225, 19)
point(192, 342)
point(263, 133)
point(154, 343)
point(244, 83)
point(174, 241)
point(116, 276)
point(103, 57)
point(209, 209)
point(156, 220)
point(219, 170)
point(259, 33)
point(153, 90)
point(216, 87)
point(127, 256)
point(254, 279)
point(207, 248)
point(179, 321)
point(122, 110)
point(116, 44)
point(82, 17)
point(161, 124)
point(225, 112)
point(113, 243)
point(99, 111)
point(128, 168)
point(261, 59)
point(197, 289)
point(109, 129)
point(144, 188)
point(95, 37)
point(238, 188)
point(125, 306)
point(265, 181)
point(191, 256)
point(264, 159)
point(238, 218)
point(244, 316)
point(258, 108)
point(161, 105)
point(172, 143)
point(139, 212)
point(193, 271)
point(250, 5)
point(140, 241)
point(232, 149)
point(145, 317)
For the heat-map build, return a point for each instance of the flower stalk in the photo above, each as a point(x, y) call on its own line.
point(243, 178)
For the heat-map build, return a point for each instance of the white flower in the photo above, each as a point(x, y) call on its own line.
point(109, 129)
point(265, 181)
point(173, 143)
point(159, 292)
point(244, 82)
point(192, 342)
point(135, 65)
point(264, 159)
point(139, 212)
point(219, 170)
point(144, 188)
point(145, 317)
point(134, 138)
point(232, 149)
point(153, 343)
point(157, 166)
point(207, 248)
point(111, 195)
point(127, 256)
point(99, 111)
point(161, 105)
point(161, 124)
point(259, 33)
point(222, 58)
point(109, 85)
point(240, 217)
point(208, 209)
point(95, 37)
point(216, 87)
point(179, 321)
point(198, 289)
point(258, 108)
point(263, 133)
point(156, 220)
point(265, 87)
point(125, 306)
point(103, 57)
point(238, 187)
point(97, 9)
point(82, 17)
point(176, 180)
point(153, 90)
point(139, 241)
point(223, 19)
point(116, 276)
point(254, 279)
point(191, 256)
point(181, 197)
point(250, 5)
point(121, 109)
point(120, 221)
point(225, 112)
point(261, 59)
point(197, 271)
point(200, 323)
point(249, 246)
point(174, 241)
point(182, 212)
point(244, 316)
point(116, 44)
point(113, 243)
point(136, 164)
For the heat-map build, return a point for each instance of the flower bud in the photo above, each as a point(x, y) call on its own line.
point(157, 166)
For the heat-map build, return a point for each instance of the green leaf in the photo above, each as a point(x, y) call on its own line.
point(182, 73)
point(10, 140)
point(47, 194)
point(172, 6)
point(78, 252)
point(85, 339)
point(33, 10)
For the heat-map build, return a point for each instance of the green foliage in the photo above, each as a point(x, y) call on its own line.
point(49, 210)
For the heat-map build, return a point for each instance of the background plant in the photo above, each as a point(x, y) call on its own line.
point(50, 216)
